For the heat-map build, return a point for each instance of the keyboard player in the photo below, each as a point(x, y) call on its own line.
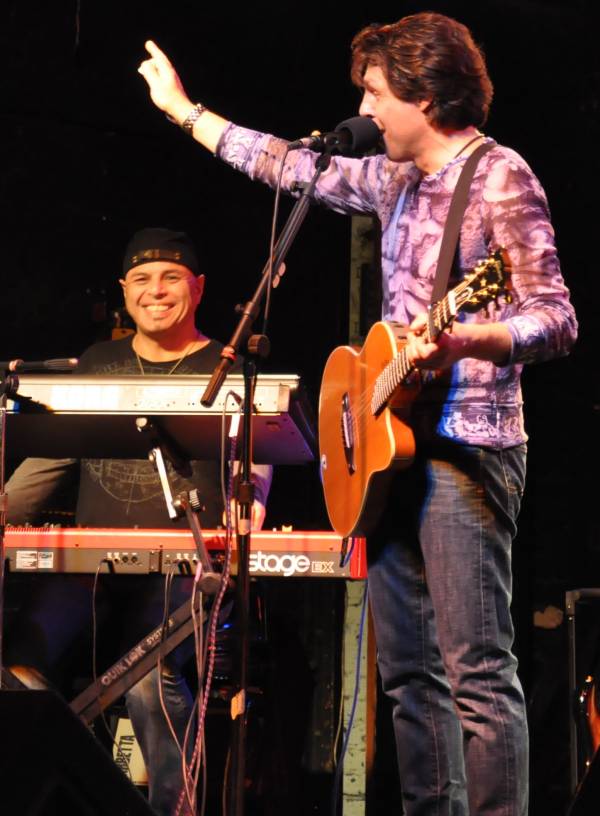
point(162, 287)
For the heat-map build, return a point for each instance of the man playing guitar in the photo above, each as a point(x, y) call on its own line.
point(440, 569)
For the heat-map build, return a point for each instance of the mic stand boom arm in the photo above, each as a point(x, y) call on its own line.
point(251, 309)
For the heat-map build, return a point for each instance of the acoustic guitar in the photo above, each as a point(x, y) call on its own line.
point(365, 402)
point(589, 713)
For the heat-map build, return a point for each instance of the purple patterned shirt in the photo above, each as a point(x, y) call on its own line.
point(474, 402)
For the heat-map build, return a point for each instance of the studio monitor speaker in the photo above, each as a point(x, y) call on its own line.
point(52, 765)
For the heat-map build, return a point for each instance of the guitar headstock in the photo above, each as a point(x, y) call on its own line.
point(487, 281)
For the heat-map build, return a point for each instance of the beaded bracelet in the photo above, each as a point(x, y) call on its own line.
point(188, 123)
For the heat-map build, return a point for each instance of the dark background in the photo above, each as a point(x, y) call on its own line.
point(87, 159)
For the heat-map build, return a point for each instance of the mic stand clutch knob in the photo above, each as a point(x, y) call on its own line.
point(259, 345)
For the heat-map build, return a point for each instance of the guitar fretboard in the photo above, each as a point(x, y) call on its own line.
point(475, 290)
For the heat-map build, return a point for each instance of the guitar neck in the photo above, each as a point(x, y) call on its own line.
point(399, 368)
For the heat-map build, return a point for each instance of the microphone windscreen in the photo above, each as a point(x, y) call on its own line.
point(361, 134)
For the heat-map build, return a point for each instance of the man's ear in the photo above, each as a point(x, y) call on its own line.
point(425, 105)
point(123, 284)
point(200, 280)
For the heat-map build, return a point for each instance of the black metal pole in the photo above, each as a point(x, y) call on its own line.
point(258, 346)
point(3, 509)
point(8, 385)
point(239, 702)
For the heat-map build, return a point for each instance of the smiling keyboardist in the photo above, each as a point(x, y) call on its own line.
point(162, 287)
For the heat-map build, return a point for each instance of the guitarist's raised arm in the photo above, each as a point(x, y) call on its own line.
point(346, 187)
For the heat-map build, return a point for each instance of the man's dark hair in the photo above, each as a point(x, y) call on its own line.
point(428, 56)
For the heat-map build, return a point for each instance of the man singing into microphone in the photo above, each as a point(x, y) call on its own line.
point(439, 573)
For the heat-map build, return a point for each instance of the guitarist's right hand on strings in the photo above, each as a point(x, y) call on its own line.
point(483, 341)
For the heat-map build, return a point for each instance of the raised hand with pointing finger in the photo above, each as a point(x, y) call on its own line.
point(168, 94)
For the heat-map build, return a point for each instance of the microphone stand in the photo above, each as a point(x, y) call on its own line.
point(257, 346)
point(9, 384)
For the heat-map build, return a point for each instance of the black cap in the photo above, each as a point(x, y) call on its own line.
point(158, 244)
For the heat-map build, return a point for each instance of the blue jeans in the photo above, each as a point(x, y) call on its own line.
point(440, 592)
point(160, 752)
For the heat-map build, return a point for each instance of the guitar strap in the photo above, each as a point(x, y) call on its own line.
point(454, 219)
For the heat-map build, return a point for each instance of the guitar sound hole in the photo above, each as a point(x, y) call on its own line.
point(348, 433)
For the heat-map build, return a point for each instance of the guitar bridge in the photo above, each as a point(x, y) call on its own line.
point(348, 433)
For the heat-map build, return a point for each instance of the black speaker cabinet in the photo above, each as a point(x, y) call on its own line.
point(52, 765)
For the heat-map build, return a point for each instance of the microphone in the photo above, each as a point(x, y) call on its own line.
point(352, 137)
point(16, 366)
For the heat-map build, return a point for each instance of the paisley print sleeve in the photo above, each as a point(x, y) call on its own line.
point(515, 212)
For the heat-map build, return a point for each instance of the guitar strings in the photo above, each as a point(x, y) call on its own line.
point(400, 361)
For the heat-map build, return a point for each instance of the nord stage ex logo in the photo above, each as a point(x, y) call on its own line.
point(289, 565)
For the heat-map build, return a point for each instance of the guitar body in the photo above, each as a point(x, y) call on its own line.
point(593, 713)
point(360, 451)
point(366, 399)
point(590, 714)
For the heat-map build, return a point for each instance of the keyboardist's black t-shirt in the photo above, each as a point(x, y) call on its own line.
point(127, 492)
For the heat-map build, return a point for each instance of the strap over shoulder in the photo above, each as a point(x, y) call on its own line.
point(454, 219)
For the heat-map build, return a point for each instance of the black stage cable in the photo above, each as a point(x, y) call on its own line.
point(272, 245)
point(208, 652)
